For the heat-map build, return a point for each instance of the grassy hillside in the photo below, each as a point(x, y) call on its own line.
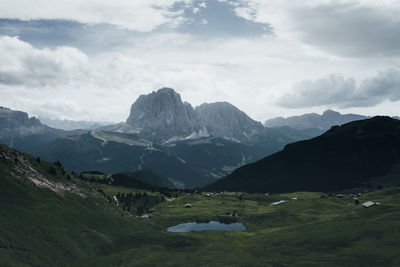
point(73, 223)
point(145, 179)
point(193, 163)
point(348, 156)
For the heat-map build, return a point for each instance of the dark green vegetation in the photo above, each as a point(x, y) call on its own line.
point(349, 156)
point(299, 134)
point(187, 162)
point(145, 179)
point(64, 221)
point(190, 162)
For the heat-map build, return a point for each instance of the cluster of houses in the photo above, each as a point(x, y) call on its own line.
point(356, 200)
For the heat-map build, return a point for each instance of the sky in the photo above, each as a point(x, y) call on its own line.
point(90, 60)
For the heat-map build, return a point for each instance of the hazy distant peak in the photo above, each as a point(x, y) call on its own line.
point(329, 112)
point(69, 125)
point(313, 120)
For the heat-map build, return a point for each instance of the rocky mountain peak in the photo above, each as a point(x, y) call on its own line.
point(225, 120)
point(11, 119)
point(162, 115)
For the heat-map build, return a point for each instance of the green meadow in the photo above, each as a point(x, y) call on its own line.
point(87, 227)
point(43, 228)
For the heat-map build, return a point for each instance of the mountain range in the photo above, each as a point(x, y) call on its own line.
point(190, 146)
point(313, 120)
point(70, 125)
point(163, 117)
point(356, 154)
point(27, 134)
point(191, 162)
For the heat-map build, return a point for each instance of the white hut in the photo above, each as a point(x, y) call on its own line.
point(278, 202)
point(368, 204)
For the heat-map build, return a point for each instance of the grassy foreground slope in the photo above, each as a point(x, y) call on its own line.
point(70, 223)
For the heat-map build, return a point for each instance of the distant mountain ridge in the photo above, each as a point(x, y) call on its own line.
point(192, 159)
point(192, 163)
point(25, 133)
point(346, 156)
point(18, 123)
point(70, 125)
point(314, 120)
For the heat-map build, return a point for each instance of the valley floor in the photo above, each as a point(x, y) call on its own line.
point(42, 228)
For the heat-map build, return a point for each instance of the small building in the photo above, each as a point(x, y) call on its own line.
point(368, 204)
point(339, 195)
point(188, 205)
point(294, 198)
point(278, 202)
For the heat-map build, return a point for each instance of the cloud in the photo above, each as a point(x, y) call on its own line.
point(135, 15)
point(203, 4)
point(106, 84)
point(348, 28)
point(22, 64)
point(336, 91)
point(101, 86)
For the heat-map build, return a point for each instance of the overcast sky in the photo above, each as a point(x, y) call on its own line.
point(91, 59)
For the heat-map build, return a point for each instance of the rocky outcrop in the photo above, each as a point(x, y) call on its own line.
point(162, 115)
point(18, 123)
point(222, 119)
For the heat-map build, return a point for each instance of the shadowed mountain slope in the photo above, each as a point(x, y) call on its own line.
point(344, 157)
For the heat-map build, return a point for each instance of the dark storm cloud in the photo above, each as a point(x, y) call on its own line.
point(344, 93)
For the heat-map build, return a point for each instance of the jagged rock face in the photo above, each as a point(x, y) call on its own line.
point(26, 134)
point(313, 120)
point(18, 123)
point(162, 115)
point(225, 120)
